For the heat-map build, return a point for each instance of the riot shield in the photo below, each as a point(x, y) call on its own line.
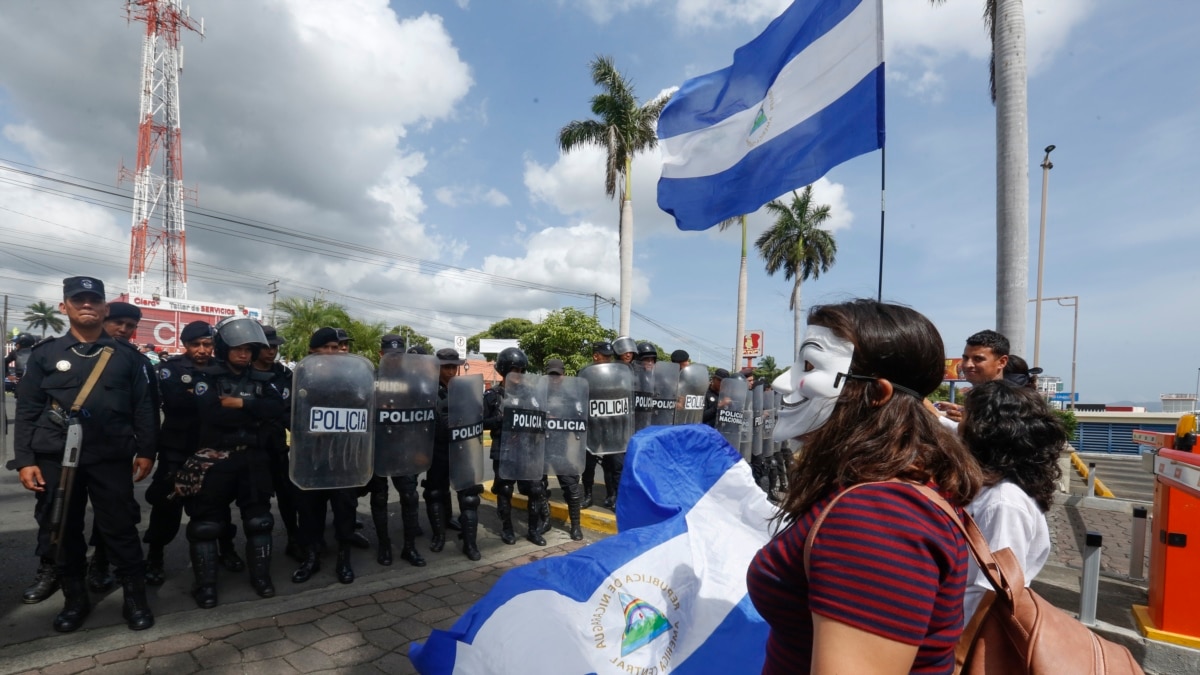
point(746, 437)
point(666, 386)
point(566, 425)
point(464, 413)
point(610, 407)
point(332, 431)
point(730, 404)
point(769, 447)
point(693, 382)
point(643, 396)
point(522, 452)
point(776, 402)
point(405, 397)
point(756, 433)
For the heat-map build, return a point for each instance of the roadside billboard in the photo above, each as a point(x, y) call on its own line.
point(164, 318)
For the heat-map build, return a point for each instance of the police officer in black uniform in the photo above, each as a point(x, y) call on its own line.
point(119, 425)
point(510, 360)
point(237, 405)
point(713, 396)
point(437, 479)
point(572, 489)
point(602, 352)
point(178, 440)
point(286, 492)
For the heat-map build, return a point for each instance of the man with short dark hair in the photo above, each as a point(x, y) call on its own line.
point(983, 360)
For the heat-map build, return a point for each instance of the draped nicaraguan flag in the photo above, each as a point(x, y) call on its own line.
point(667, 594)
point(801, 98)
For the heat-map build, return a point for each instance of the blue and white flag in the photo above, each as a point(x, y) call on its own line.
point(801, 98)
point(667, 594)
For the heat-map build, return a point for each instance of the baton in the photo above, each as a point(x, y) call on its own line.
point(62, 493)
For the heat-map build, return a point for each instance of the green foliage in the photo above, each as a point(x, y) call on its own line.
point(302, 317)
point(796, 243)
point(942, 393)
point(44, 316)
point(564, 334)
point(767, 369)
point(505, 329)
point(1069, 421)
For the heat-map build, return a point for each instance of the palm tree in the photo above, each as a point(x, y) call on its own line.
point(797, 245)
point(300, 317)
point(742, 283)
point(623, 129)
point(42, 315)
point(1005, 23)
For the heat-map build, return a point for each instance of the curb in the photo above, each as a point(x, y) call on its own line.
point(593, 519)
point(1101, 489)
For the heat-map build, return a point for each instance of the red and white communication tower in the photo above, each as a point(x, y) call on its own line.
point(158, 196)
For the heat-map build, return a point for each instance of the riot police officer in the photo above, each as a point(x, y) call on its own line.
point(510, 360)
point(87, 388)
point(236, 405)
point(569, 483)
point(277, 442)
point(713, 396)
point(437, 479)
point(626, 351)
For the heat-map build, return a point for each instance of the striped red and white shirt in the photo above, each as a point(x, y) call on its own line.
point(886, 560)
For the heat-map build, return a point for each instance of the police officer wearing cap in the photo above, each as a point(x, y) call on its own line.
point(410, 502)
point(682, 358)
point(286, 492)
point(178, 440)
point(437, 479)
point(713, 396)
point(602, 352)
point(237, 405)
point(118, 424)
point(570, 485)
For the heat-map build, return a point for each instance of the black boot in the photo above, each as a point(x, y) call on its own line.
point(78, 605)
point(345, 573)
point(574, 497)
point(451, 522)
point(435, 510)
point(544, 514)
point(258, 553)
point(409, 517)
point(534, 512)
point(504, 510)
point(136, 610)
point(469, 520)
point(99, 577)
point(380, 517)
point(229, 557)
point(45, 583)
point(310, 566)
point(205, 556)
point(587, 498)
point(155, 575)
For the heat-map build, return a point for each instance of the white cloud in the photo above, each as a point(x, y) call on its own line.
point(709, 13)
point(456, 195)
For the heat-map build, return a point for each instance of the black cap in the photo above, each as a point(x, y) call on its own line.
point(602, 348)
point(390, 342)
point(343, 336)
point(73, 286)
point(418, 349)
point(555, 367)
point(124, 310)
point(323, 336)
point(720, 373)
point(194, 331)
point(273, 338)
point(448, 356)
point(679, 356)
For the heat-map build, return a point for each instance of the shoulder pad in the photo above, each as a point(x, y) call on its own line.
point(43, 341)
point(261, 375)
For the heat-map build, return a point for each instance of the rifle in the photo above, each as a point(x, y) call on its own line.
point(70, 461)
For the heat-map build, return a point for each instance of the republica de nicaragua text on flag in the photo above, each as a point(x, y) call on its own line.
point(801, 98)
point(666, 594)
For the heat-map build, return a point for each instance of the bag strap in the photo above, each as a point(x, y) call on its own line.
point(812, 531)
point(94, 377)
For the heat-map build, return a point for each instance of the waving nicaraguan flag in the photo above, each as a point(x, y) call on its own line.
point(667, 594)
point(801, 98)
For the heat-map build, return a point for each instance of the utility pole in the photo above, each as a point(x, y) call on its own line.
point(595, 305)
point(273, 293)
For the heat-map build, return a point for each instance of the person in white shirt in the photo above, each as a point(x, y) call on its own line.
point(1015, 437)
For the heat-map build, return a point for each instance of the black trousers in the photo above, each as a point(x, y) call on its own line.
point(612, 465)
point(530, 488)
point(243, 478)
point(109, 486)
point(312, 507)
point(287, 495)
point(165, 514)
point(437, 478)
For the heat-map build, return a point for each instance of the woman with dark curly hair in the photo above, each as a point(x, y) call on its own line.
point(886, 571)
point(1016, 439)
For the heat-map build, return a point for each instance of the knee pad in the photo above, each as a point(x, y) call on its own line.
point(531, 488)
point(204, 530)
point(434, 495)
point(502, 488)
point(468, 501)
point(258, 524)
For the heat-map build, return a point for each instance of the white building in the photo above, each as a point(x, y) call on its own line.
point(1178, 403)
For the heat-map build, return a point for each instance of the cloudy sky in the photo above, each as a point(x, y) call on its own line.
point(401, 159)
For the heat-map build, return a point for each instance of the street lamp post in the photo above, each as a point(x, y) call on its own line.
point(1074, 302)
point(1037, 320)
point(1194, 401)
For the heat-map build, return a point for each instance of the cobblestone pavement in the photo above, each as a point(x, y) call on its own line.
point(1070, 523)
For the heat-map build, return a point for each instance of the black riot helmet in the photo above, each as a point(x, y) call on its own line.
point(624, 345)
point(25, 340)
point(647, 350)
point(509, 359)
point(236, 331)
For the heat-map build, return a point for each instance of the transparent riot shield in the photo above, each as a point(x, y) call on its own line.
point(332, 430)
point(666, 386)
point(643, 396)
point(522, 452)
point(693, 382)
point(746, 438)
point(756, 433)
point(464, 413)
point(405, 397)
point(610, 407)
point(776, 402)
point(769, 447)
point(730, 403)
point(566, 425)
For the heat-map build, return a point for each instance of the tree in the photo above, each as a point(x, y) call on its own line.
point(43, 315)
point(365, 337)
point(742, 283)
point(1005, 23)
point(623, 129)
point(564, 334)
point(767, 369)
point(797, 245)
point(504, 329)
point(301, 317)
point(412, 338)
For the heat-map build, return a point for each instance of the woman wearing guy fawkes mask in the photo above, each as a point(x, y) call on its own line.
point(886, 573)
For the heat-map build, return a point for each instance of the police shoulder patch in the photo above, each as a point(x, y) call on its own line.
point(164, 373)
point(287, 391)
point(201, 388)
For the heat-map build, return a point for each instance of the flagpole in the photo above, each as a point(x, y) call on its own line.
point(882, 214)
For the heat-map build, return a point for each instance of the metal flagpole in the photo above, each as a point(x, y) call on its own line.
point(882, 214)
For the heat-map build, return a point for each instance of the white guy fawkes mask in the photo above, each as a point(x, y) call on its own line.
point(811, 386)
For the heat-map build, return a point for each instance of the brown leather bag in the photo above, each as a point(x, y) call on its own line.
point(1015, 630)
